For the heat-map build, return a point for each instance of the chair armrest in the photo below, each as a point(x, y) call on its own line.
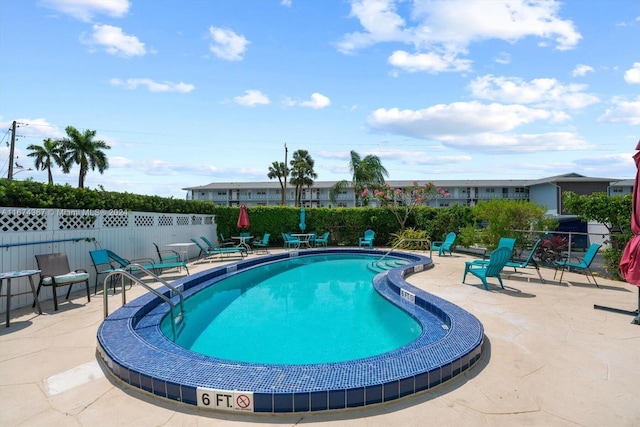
point(80, 270)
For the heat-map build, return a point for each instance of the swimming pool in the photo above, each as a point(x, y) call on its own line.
point(284, 313)
point(135, 350)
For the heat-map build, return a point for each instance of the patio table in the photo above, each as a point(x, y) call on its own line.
point(14, 275)
point(305, 239)
point(183, 248)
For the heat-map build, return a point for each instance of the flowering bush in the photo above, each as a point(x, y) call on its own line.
point(402, 201)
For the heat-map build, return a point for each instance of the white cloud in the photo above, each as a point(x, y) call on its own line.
point(623, 111)
point(380, 22)
point(581, 70)
point(632, 75)
point(115, 41)
point(252, 97)
point(153, 86)
point(542, 92)
point(446, 28)
point(285, 3)
point(517, 143)
point(459, 118)
point(316, 102)
point(503, 58)
point(227, 44)
point(85, 10)
point(38, 128)
point(430, 62)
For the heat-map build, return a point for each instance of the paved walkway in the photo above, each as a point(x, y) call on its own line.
point(550, 360)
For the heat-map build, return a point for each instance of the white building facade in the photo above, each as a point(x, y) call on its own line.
point(546, 192)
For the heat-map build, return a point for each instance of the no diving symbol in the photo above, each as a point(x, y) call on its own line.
point(243, 401)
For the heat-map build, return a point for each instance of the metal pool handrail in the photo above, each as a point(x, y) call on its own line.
point(400, 242)
point(124, 273)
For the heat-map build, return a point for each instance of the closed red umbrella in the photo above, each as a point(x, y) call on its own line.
point(243, 218)
point(630, 261)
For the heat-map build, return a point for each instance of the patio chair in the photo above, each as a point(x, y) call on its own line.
point(221, 251)
point(529, 260)
point(55, 272)
point(322, 240)
point(497, 260)
point(445, 245)
point(167, 255)
point(581, 264)
point(290, 241)
point(504, 242)
point(367, 239)
point(101, 264)
point(225, 242)
point(262, 244)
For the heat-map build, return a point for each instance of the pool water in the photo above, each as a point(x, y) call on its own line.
point(298, 311)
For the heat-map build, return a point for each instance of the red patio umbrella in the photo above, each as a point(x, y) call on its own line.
point(630, 260)
point(243, 218)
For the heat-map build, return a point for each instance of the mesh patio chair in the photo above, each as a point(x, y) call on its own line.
point(55, 272)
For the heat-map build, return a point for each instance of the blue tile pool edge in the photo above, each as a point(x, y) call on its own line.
point(134, 350)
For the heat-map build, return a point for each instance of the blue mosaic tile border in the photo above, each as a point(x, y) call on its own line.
point(134, 349)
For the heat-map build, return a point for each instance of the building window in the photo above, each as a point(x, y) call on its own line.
point(261, 193)
point(222, 193)
point(617, 189)
point(521, 190)
point(491, 190)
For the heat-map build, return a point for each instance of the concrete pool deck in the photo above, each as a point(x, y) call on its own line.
point(549, 359)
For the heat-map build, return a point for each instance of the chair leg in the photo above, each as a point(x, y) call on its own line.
point(86, 285)
point(69, 291)
point(55, 298)
point(500, 280)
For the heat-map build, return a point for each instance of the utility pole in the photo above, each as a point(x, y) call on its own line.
point(11, 150)
point(286, 175)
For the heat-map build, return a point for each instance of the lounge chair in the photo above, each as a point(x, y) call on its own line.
point(221, 251)
point(528, 261)
point(209, 244)
point(497, 260)
point(367, 239)
point(146, 263)
point(444, 246)
point(581, 264)
point(322, 240)
point(55, 272)
point(262, 244)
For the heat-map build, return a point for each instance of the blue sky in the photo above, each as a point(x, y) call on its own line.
point(189, 92)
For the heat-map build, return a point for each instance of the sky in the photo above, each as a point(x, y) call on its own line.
point(190, 92)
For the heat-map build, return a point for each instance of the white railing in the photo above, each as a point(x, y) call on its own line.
point(25, 232)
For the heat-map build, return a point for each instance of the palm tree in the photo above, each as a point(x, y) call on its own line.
point(367, 171)
point(80, 148)
point(50, 153)
point(302, 173)
point(279, 170)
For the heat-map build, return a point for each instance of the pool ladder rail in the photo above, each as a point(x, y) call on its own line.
point(382, 265)
point(126, 273)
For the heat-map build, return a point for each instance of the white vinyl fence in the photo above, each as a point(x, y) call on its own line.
point(26, 232)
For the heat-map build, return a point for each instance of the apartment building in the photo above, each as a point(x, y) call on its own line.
point(546, 191)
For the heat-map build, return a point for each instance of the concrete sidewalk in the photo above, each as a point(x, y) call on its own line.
point(550, 360)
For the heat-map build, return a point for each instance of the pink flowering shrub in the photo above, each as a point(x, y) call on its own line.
point(402, 201)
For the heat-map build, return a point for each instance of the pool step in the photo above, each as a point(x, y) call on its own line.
point(387, 264)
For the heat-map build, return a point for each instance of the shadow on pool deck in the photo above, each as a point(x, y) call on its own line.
point(549, 359)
